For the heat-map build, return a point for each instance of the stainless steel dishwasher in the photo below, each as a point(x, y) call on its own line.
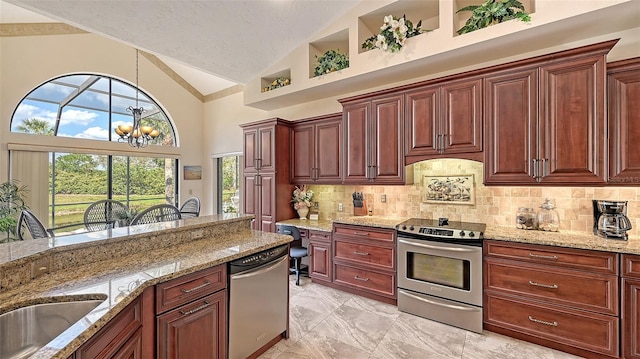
point(258, 300)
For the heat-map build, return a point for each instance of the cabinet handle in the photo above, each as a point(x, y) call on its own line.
point(554, 257)
point(534, 164)
point(206, 283)
point(545, 166)
point(206, 304)
point(361, 253)
point(442, 143)
point(259, 163)
point(255, 163)
point(356, 277)
point(552, 324)
point(550, 286)
point(360, 233)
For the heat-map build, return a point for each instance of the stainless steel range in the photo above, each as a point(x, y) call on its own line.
point(440, 271)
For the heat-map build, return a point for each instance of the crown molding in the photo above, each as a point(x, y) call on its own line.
point(224, 93)
point(173, 75)
point(38, 29)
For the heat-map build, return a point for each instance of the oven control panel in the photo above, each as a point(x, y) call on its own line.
point(452, 231)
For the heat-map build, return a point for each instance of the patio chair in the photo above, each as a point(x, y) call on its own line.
point(190, 208)
point(158, 213)
point(104, 214)
point(29, 221)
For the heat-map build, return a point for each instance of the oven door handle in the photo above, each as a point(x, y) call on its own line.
point(451, 306)
point(452, 249)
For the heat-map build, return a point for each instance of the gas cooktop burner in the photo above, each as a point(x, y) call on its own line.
point(442, 229)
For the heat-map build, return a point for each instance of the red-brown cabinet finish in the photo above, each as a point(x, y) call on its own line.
point(563, 298)
point(624, 121)
point(374, 140)
point(546, 121)
point(320, 257)
point(130, 334)
point(444, 118)
point(316, 150)
point(630, 306)
point(267, 150)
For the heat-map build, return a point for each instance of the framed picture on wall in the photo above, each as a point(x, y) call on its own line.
point(192, 172)
point(454, 189)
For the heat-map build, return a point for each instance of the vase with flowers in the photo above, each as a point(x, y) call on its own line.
point(393, 33)
point(302, 200)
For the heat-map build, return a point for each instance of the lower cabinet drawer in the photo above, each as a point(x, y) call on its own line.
point(582, 290)
point(380, 283)
point(589, 331)
point(362, 253)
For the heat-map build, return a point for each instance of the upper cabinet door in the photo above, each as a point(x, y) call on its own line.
point(422, 117)
point(303, 153)
point(328, 151)
point(387, 162)
point(267, 149)
point(511, 113)
point(356, 121)
point(461, 122)
point(624, 122)
point(250, 150)
point(572, 121)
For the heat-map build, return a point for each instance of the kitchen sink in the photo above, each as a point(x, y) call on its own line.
point(25, 330)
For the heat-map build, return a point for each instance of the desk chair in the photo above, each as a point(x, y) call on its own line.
point(296, 250)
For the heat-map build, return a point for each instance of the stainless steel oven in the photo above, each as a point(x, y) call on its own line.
point(440, 271)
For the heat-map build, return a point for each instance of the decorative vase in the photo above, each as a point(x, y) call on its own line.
point(303, 212)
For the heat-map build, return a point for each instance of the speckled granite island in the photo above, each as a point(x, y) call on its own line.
point(117, 265)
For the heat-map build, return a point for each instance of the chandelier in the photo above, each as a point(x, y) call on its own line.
point(137, 135)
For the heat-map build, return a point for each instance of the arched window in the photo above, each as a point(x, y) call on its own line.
point(90, 107)
point(87, 106)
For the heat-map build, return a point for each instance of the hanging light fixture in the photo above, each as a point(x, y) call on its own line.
point(136, 135)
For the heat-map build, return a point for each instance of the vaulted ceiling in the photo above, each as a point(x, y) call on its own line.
point(233, 40)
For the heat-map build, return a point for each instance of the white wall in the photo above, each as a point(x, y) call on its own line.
point(28, 61)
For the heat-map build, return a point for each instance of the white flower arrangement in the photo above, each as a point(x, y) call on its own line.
point(302, 197)
point(393, 33)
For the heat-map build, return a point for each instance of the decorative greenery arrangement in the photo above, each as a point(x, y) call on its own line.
point(331, 61)
point(302, 197)
point(493, 12)
point(279, 82)
point(12, 199)
point(393, 34)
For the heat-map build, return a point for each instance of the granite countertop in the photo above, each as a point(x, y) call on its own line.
point(119, 280)
point(567, 239)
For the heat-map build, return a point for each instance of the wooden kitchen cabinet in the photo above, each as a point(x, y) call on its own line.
point(267, 189)
point(624, 121)
point(317, 150)
point(191, 315)
point(364, 261)
point(373, 140)
point(130, 334)
point(320, 256)
point(444, 119)
point(630, 306)
point(545, 122)
point(562, 298)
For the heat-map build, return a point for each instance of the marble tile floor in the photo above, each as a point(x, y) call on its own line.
point(329, 323)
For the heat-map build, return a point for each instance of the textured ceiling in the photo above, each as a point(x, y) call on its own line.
point(232, 39)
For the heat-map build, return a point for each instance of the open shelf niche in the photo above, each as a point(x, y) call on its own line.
point(427, 11)
point(460, 18)
point(266, 81)
point(336, 41)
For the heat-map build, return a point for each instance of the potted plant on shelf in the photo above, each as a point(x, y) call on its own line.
point(393, 33)
point(330, 61)
point(278, 82)
point(12, 202)
point(493, 12)
point(302, 200)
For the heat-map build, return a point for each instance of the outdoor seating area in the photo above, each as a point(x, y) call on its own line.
point(106, 214)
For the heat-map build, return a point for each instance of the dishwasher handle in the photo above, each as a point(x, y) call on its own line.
point(259, 270)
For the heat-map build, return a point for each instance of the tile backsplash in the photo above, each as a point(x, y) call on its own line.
point(493, 205)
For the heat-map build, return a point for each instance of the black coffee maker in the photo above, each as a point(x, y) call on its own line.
point(610, 219)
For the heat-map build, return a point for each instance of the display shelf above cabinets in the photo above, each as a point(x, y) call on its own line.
point(427, 12)
point(338, 42)
point(276, 80)
point(460, 18)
